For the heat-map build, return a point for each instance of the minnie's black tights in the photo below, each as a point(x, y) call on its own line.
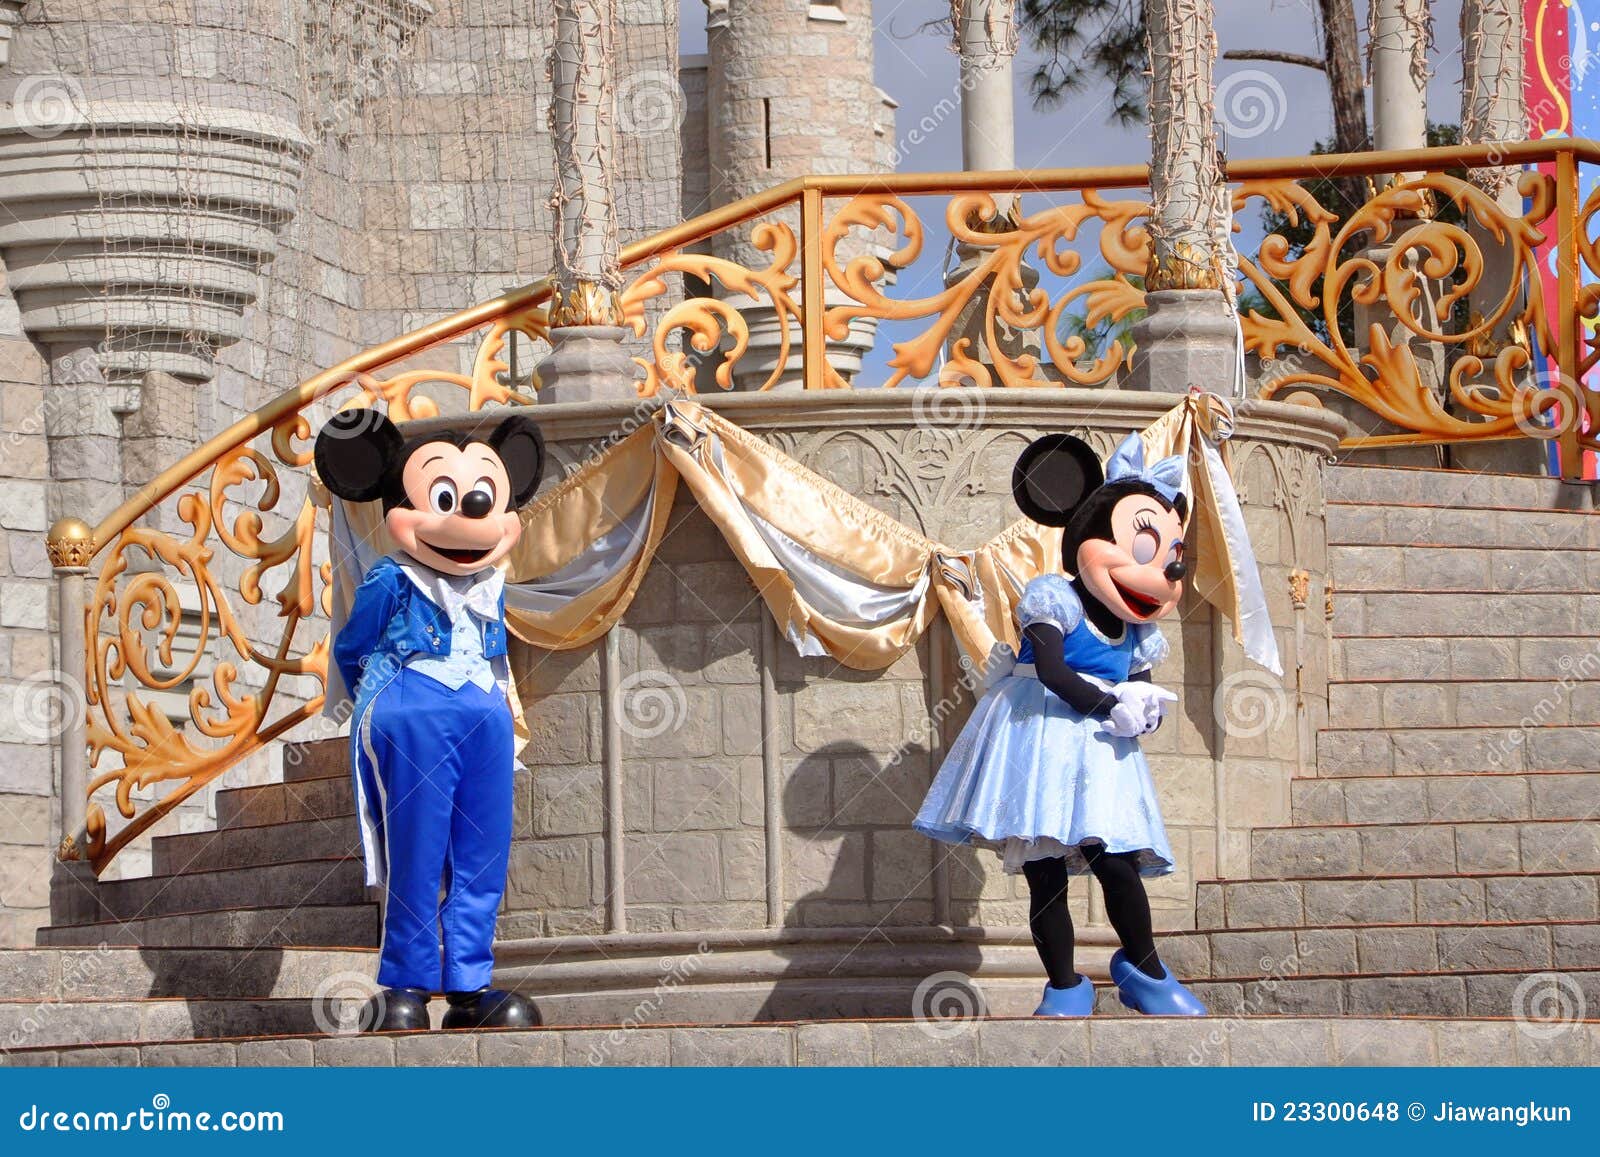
point(1127, 907)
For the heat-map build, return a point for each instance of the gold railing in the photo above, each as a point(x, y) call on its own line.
point(817, 257)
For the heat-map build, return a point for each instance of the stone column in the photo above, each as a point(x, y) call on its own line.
point(1188, 335)
point(10, 17)
point(790, 93)
point(986, 38)
point(1492, 110)
point(587, 361)
point(1397, 31)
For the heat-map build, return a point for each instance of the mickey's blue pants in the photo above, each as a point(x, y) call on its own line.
point(441, 761)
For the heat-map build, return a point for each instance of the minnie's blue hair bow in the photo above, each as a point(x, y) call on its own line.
point(1127, 464)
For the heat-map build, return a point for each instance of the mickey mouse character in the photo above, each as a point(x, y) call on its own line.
point(431, 742)
point(1048, 769)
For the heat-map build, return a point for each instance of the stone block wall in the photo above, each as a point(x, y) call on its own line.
point(855, 751)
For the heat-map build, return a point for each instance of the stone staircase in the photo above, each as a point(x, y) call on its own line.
point(1447, 850)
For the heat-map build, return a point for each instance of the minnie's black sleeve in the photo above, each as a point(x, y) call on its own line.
point(1083, 696)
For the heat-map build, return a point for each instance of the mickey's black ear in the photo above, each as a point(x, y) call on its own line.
point(521, 447)
point(1053, 477)
point(353, 453)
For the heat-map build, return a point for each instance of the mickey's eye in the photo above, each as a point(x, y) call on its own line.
point(1146, 543)
point(442, 496)
point(485, 487)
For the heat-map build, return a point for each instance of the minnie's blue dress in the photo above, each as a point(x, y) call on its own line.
point(1031, 777)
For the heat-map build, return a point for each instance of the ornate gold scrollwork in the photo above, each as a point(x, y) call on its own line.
point(1385, 378)
point(708, 321)
point(1008, 302)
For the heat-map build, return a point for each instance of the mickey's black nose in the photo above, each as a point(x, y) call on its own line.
point(1174, 572)
point(476, 504)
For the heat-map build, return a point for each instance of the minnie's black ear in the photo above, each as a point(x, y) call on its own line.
point(1053, 477)
point(354, 451)
point(521, 447)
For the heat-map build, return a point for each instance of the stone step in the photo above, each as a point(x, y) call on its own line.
point(316, 759)
point(1247, 1040)
point(1448, 994)
point(1464, 703)
point(324, 881)
point(1373, 799)
point(1571, 845)
point(131, 974)
point(352, 925)
point(1443, 750)
point(1463, 568)
point(279, 803)
point(1472, 489)
point(1405, 614)
point(1383, 950)
point(1342, 901)
point(1384, 523)
point(1483, 657)
point(35, 1024)
point(263, 844)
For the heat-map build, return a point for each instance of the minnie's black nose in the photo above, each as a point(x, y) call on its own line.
point(476, 504)
point(1174, 572)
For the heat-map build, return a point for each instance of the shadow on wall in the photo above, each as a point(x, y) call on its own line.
point(864, 943)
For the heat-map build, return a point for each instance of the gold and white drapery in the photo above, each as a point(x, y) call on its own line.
point(1225, 572)
point(840, 577)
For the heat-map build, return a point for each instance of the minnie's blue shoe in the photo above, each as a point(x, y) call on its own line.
point(1075, 1001)
point(1164, 997)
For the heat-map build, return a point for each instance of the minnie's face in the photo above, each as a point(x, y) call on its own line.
point(457, 518)
point(1137, 572)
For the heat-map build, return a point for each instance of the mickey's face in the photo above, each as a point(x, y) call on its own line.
point(1138, 571)
point(449, 500)
point(456, 518)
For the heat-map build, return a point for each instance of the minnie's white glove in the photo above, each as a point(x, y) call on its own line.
point(1139, 708)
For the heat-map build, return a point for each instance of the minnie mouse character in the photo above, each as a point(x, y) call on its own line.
point(431, 744)
point(1048, 770)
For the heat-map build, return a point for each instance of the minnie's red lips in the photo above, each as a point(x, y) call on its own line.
point(1142, 605)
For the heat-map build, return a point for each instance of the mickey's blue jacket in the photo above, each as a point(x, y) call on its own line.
point(390, 622)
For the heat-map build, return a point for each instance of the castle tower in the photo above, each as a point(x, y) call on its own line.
point(789, 93)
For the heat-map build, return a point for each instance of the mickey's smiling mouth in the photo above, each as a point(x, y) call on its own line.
point(1142, 605)
point(457, 554)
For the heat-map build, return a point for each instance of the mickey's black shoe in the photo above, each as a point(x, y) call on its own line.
point(489, 1008)
point(396, 1010)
